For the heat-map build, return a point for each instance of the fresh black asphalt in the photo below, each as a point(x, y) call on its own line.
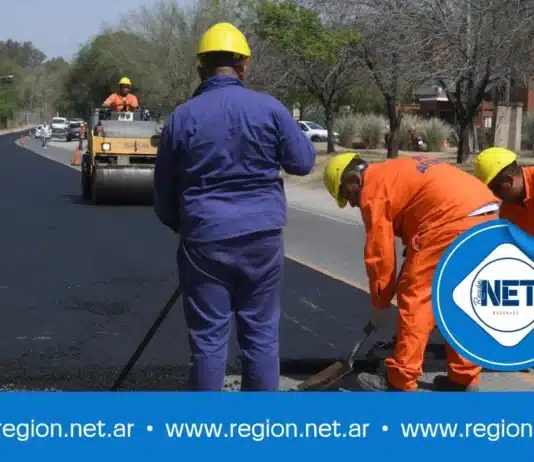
point(81, 284)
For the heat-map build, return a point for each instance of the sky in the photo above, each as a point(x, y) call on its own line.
point(60, 27)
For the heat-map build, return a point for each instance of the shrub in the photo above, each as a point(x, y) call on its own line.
point(435, 131)
point(408, 122)
point(371, 129)
point(346, 127)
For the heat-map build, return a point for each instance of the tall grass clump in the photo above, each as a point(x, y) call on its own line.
point(371, 129)
point(346, 127)
point(435, 132)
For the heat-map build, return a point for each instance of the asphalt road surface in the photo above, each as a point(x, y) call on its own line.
point(80, 284)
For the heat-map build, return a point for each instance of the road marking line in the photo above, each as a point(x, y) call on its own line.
point(335, 276)
point(49, 156)
point(327, 273)
point(324, 215)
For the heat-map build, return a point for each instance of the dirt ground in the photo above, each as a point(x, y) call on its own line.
point(379, 155)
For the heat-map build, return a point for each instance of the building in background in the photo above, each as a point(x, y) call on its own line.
point(434, 102)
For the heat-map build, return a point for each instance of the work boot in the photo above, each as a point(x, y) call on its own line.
point(443, 383)
point(374, 382)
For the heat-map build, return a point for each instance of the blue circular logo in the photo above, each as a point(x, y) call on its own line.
point(483, 296)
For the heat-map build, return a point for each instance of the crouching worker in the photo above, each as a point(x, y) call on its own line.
point(428, 204)
point(217, 183)
point(499, 170)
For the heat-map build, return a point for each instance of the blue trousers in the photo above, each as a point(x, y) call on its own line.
point(241, 275)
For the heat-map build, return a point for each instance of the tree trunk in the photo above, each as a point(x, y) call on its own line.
point(329, 117)
point(463, 142)
point(394, 129)
point(302, 111)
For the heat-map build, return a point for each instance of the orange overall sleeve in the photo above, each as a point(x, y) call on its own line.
point(131, 100)
point(380, 257)
point(111, 100)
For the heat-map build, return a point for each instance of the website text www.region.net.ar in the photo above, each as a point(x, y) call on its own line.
point(266, 430)
point(261, 431)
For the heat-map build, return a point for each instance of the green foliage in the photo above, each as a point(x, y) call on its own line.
point(298, 31)
point(24, 61)
point(8, 104)
point(22, 54)
point(365, 98)
point(96, 72)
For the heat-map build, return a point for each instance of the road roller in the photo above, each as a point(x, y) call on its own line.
point(118, 164)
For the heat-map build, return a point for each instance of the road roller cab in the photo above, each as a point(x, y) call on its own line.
point(121, 155)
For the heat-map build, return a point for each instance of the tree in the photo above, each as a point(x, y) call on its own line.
point(476, 45)
point(45, 88)
point(389, 52)
point(313, 56)
point(97, 70)
point(166, 39)
point(22, 60)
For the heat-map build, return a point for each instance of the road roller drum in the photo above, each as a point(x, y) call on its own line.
point(117, 184)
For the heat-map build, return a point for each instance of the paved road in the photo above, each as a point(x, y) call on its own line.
point(80, 284)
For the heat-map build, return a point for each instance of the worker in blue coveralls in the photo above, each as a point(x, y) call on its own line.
point(217, 184)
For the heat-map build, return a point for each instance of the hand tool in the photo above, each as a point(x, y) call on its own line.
point(146, 340)
point(340, 369)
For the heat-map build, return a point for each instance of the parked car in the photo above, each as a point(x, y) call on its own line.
point(315, 132)
point(60, 127)
point(73, 132)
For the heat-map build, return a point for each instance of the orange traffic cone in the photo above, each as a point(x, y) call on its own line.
point(76, 160)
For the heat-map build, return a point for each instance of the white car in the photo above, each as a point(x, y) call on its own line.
point(314, 131)
point(60, 127)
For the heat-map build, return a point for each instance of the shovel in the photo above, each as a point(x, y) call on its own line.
point(340, 369)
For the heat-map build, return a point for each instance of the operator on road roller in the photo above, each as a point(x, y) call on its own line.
point(123, 100)
point(428, 204)
point(217, 183)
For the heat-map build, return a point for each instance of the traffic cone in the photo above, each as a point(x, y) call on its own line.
point(22, 140)
point(76, 160)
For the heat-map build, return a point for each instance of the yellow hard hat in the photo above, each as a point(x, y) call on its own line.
point(125, 81)
point(224, 37)
point(491, 162)
point(332, 174)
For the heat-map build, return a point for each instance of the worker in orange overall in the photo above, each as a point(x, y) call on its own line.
point(123, 100)
point(498, 169)
point(428, 204)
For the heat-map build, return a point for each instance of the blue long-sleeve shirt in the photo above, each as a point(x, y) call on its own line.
point(218, 166)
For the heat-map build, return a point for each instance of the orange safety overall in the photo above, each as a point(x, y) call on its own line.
point(428, 204)
point(522, 214)
point(118, 102)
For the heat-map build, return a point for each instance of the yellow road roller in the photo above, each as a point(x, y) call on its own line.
point(118, 164)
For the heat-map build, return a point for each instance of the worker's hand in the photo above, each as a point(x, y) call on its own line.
point(379, 317)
